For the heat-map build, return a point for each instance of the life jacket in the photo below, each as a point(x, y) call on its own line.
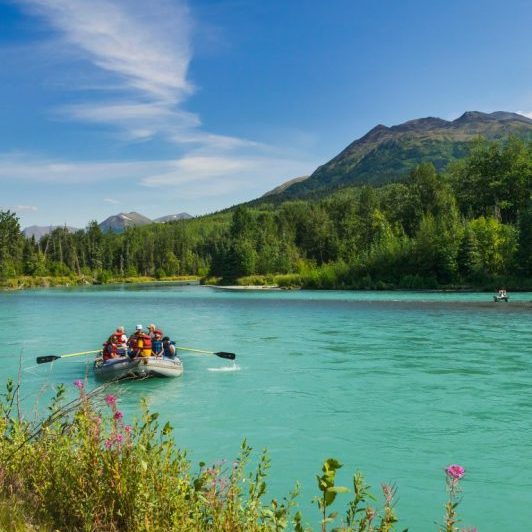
point(109, 349)
point(145, 348)
point(133, 342)
point(122, 338)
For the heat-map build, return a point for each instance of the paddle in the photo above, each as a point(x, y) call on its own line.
point(221, 354)
point(51, 358)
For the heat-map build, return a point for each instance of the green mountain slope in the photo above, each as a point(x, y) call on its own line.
point(387, 154)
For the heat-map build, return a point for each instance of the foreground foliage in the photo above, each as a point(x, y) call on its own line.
point(82, 468)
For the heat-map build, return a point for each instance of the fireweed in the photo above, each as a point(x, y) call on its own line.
point(83, 468)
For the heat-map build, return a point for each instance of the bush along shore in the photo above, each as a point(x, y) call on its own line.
point(26, 281)
point(83, 468)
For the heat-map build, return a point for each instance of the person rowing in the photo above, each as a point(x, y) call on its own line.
point(110, 348)
point(169, 350)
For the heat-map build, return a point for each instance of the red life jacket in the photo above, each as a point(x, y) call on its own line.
point(132, 343)
point(109, 349)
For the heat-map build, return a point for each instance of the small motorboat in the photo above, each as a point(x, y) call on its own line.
point(501, 296)
point(137, 368)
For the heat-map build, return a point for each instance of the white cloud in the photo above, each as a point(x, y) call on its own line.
point(523, 113)
point(144, 49)
point(194, 176)
point(145, 44)
point(31, 208)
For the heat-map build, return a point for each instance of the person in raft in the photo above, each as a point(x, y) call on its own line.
point(110, 348)
point(169, 350)
point(140, 343)
point(152, 330)
point(157, 344)
point(136, 342)
point(122, 340)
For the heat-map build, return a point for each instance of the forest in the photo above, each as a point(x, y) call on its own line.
point(467, 227)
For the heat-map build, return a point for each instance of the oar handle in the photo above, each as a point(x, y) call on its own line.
point(221, 354)
point(82, 353)
point(194, 350)
point(51, 358)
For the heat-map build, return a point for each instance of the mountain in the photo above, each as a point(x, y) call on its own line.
point(172, 217)
point(386, 154)
point(285, 185)
point(38, 231)
point(119, 222)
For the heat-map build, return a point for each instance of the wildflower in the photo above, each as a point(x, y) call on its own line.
point(78, 383)
point(119, 438)
point(128, 429)
point(110, 400)
point(455, 471)
point(118, 415)
point(108, 443)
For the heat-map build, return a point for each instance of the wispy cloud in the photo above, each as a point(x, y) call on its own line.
point(144, 48)
point(31, 208)
point(145, 44)
point(524, 113)
point(199, 174)
point(111, 201)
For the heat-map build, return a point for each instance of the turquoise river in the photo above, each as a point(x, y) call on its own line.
point(395, 384)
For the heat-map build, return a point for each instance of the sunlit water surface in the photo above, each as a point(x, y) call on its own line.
point(396, 384)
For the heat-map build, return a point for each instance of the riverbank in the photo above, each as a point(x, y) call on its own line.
point(314, 280)
point(25, 281)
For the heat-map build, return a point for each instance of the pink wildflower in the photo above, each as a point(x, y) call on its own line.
point(118, 415)
point(110, 400)
point(108, 443)
point(128, 429)
point(78, 383)
point(119, 438)
point(455, 471)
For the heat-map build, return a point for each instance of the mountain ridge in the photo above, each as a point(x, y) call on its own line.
point(386, 154)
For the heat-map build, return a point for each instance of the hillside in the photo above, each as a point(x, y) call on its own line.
point(387, 154)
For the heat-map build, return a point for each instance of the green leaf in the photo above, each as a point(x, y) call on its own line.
point(329, 497)
point(339, 489)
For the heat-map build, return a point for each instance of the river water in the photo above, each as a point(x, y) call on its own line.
point(395, 384)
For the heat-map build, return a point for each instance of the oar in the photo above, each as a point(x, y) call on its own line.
point(51, 358)
point(221, 354)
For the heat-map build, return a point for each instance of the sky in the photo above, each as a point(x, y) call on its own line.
point(168, 106)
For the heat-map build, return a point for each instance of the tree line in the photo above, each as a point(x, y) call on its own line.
point(471, 225)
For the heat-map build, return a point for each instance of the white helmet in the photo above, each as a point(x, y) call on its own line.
point(139, 327)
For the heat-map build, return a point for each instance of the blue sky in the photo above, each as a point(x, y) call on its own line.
point(168, 106)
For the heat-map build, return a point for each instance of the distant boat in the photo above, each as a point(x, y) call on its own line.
point(501, 297)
